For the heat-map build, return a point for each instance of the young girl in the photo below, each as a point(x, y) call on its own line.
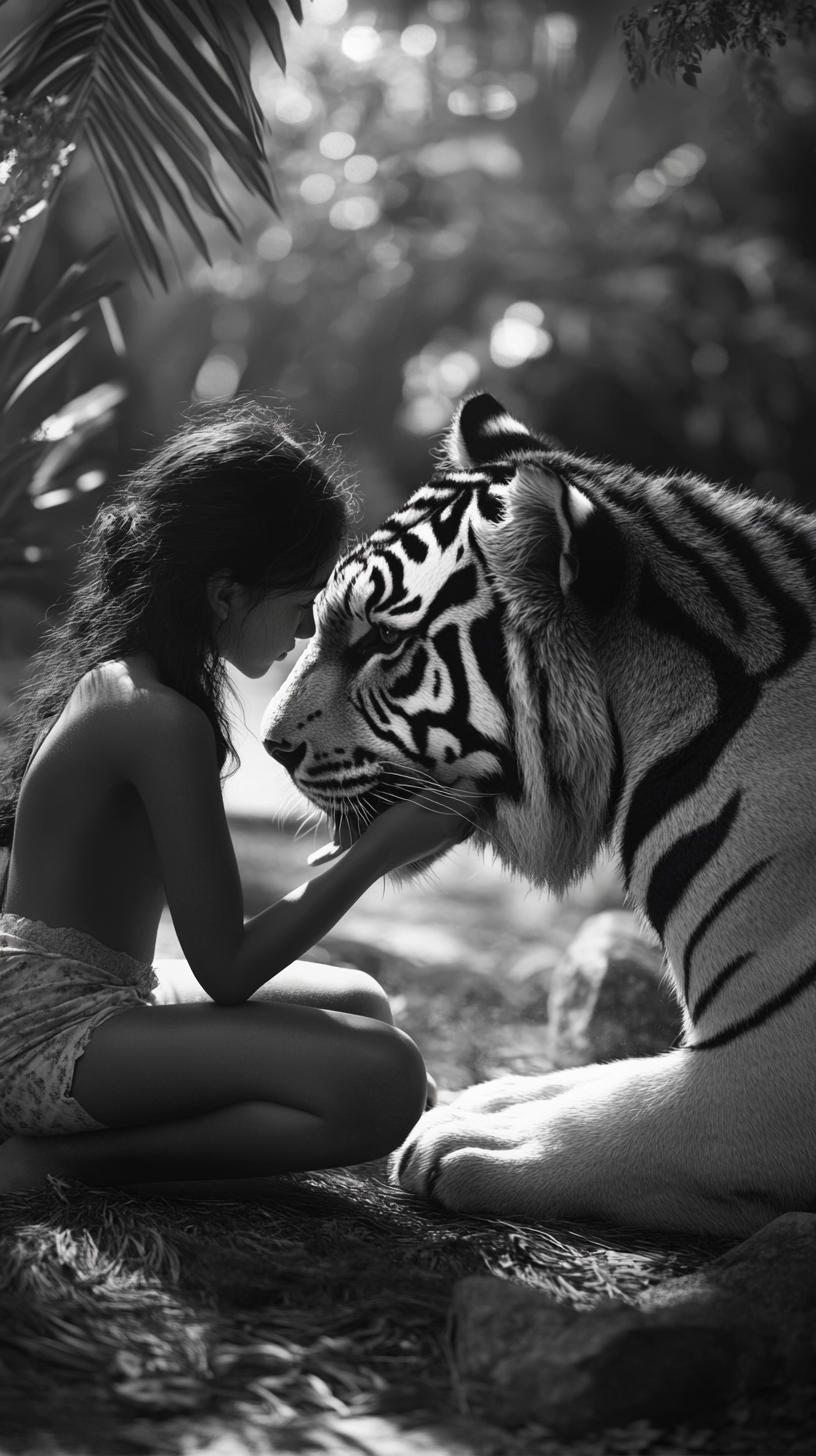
point(213, 552)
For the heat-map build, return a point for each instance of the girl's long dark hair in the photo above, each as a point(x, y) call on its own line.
point(232, 491)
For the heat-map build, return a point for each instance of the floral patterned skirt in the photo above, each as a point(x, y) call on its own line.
point(56, 987)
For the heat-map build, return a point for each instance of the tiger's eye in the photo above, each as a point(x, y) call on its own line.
point(388, 636)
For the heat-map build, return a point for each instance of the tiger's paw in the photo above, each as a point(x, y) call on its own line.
point(509, 1091)
point(516, 1090)
point(468, 1162)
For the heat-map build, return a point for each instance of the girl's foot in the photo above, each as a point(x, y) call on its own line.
point(25, 1163)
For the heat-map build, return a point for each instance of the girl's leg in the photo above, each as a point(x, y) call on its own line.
point(303, 983)
point(206, 1091)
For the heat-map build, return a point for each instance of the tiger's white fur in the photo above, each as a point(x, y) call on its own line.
point(622, 659)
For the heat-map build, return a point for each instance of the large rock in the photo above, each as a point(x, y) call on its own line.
point(694, 1344)
point(609, 995)
point(770, 1279)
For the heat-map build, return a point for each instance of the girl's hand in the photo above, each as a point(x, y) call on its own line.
point(430, 824)
point(413, 829)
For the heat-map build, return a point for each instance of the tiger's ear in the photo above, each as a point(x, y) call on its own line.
point(555, 544)
point(483, 433)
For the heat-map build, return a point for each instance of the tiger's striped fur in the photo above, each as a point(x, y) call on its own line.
point(601, 656)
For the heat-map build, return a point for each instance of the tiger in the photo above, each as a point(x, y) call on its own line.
point(596, 658)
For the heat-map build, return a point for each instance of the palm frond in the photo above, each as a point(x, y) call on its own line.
point(154, 85)
point(35, 452)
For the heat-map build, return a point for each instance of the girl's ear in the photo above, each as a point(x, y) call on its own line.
point(222, 592)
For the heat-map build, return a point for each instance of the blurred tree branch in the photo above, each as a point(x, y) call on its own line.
point(673, 36)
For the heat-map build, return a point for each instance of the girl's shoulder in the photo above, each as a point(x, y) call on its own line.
point(126, 693)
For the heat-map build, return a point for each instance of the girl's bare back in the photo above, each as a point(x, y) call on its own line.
point(84, 852)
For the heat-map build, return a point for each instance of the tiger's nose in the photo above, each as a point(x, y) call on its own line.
point(288, 757)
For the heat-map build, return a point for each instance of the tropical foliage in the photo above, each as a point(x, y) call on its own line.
point(674, 36)
point(155, 93)
point(154, 90)
point(492, 206)
point(467, 197)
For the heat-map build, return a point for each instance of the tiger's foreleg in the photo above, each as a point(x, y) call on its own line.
point(697, 1141)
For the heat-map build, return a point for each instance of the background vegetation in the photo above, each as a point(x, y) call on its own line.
point(469, 195)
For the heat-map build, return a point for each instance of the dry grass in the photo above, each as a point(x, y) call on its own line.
point(295, 1298)
point(287, 1314)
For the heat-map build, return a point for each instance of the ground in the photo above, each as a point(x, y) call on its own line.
point(309, 1314)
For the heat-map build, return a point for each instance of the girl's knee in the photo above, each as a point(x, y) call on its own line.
point(333, 988)
point(360, 995)
point(396, 1086)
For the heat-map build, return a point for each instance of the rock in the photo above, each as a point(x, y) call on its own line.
point(609, 997)
point(525, 1357)
point(529, 980)
point(695, 1343)
point(771, 1277)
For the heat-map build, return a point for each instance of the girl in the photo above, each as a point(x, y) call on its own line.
point(213, 552)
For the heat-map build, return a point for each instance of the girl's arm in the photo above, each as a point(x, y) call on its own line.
point(170, 757)
point(280, 934)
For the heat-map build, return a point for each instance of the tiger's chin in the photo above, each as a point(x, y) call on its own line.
point(350, 819)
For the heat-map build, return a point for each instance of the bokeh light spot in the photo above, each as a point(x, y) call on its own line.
point(226, 275)
point(486, 153)
point(91, 479)
point(464, 101)
point(456, 372)
point(218, 377)
point(51, 498)
point(562, 30)
point(385, 254)
point(426, 414)
point(353, 213)
point(360, 43)
point(513, 341)
point(317, 187)
point(360, 169)
point(337, 145)
point(275, 243)
point(649, 186)
point(327, 12)
point(530, 313)
point(498, 102)
point(293, 106)
point(683, 163)
point(418, 40)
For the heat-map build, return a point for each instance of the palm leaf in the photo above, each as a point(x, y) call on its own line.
point(154, 85)
point(43, 365)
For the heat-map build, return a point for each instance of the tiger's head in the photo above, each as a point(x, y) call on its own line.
point(450, 647)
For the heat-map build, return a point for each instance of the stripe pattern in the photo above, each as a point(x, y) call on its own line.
point(603, 657)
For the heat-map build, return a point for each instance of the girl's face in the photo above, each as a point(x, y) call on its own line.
point(252, 638)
